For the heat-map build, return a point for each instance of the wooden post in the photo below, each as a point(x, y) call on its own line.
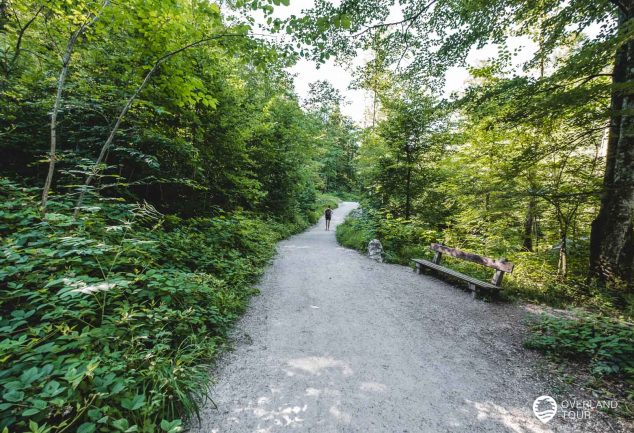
point(437, 258)
point(497, 277)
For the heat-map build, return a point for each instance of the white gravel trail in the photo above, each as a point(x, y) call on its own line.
point(338, 343)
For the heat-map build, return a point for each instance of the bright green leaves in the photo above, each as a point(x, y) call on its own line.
point(37, 428)
point(121, 357)
point(340, 21)
point(111, 317)
point(171, 426)
point(123, 425)
point(13, 395)
point(607, 343)
point(37, 406)
point(87, 427)
point(134, 403)
point(52, 389)
point(214, 9)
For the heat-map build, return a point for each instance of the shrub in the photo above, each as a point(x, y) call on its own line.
point(109, 323)
point(356, 231)
point(606, 343)
point(401, 239)
point(323, 201)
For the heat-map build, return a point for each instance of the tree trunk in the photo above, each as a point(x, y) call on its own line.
point(527, 244)
point(52, 155)
point(408, 188)
point(58, 100)
point(562, 265)
point(563, 222)
point(611, 240)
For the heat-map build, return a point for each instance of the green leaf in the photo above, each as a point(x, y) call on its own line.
point(87, 427)
point(121, 424)
point(29, 376)
point(134, 403)
point(13, 396)
point(40, 404)
point(117, 388)
point(171, 426)
point(52, 388)
point(345, 21)
point(30, 412)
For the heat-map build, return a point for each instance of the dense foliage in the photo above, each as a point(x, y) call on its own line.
point(108, 322)
point(531, 161)
point(153, 153)
point(546, 144)
point(606, 344)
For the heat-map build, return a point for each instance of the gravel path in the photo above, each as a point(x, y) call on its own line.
point(339, 343)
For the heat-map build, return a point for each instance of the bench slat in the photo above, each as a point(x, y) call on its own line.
point(456, 274)
point(500, 265)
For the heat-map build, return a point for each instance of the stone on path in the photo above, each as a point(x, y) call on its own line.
point(375, 250)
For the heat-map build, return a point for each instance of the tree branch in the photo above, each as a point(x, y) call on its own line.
point(395, 23)
point(18, 44)
point(108, 143)
point(620, 6)
point(583, 80)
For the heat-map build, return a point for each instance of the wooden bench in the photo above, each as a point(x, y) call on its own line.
point(501, 266)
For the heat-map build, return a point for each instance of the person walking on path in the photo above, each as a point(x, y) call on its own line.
point(328, 215)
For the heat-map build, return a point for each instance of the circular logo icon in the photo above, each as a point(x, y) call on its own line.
point(545, 408)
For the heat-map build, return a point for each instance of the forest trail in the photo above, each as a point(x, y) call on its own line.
point(338, 343)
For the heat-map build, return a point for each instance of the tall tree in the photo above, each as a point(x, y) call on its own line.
point(338, 136)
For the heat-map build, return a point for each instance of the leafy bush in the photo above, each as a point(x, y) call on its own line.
point(109, 323)
point(347, 196)
point(356, 231)
point(607, 344)
point(401, 239)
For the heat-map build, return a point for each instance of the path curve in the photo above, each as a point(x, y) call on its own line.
point(338, 343)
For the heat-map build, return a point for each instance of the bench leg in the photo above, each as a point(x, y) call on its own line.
point(419, 269)
point(474, 290)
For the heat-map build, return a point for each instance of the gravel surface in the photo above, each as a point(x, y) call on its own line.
point(336, 342)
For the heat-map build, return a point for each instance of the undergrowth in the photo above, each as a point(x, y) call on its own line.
point(606, 345)
point(109, 323)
